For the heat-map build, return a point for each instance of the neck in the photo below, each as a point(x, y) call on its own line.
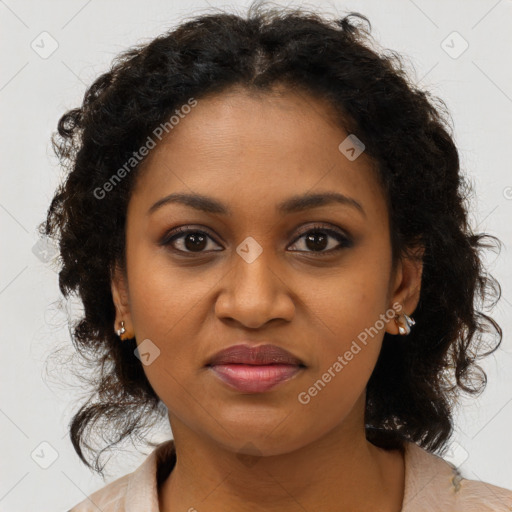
point(343, 472)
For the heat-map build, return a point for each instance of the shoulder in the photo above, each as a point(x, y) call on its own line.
point(433, 484)
point(135, 491)
point(110, 498)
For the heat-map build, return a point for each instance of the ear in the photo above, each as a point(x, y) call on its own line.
point(405, 291)
point(119, 287)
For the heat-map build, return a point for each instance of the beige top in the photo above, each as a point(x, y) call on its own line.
point(431, 485)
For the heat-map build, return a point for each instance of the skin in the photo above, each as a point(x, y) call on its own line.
point(251, 152)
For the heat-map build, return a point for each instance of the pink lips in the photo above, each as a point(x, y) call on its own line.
point(254, 369)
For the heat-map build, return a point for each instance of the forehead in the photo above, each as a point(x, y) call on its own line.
point(249, 150)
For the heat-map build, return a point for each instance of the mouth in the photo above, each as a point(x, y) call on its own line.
point(254, 369)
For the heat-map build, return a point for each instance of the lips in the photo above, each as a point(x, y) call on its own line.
point(259, 355)
point(254, 369)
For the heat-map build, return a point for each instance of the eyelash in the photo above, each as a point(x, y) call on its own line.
point(178, 233)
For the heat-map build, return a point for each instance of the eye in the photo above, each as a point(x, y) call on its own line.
point(317, 240)
point(191, 240)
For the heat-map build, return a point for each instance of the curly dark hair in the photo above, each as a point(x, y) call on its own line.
point(407, 133)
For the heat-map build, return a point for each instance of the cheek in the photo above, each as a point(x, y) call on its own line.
point(349, 303)
point(162, 296)
point(349, 330)
point(344, 361)
point(165, 304)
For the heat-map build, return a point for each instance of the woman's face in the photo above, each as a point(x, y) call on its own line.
point(253, 275)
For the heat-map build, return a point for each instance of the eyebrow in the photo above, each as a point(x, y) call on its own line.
point(291, 205)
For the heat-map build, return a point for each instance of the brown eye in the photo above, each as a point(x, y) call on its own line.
point(190, 240)
point(316, 240)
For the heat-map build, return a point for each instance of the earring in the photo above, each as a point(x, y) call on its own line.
point(404, 323)
point(121, 331)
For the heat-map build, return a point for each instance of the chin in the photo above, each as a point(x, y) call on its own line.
point(247, 440)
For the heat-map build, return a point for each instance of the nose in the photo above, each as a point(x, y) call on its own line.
point(253, 293)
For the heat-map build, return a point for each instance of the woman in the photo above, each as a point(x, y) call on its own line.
point(266, 223)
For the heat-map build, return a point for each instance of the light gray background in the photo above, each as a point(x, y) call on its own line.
point(35, 404)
